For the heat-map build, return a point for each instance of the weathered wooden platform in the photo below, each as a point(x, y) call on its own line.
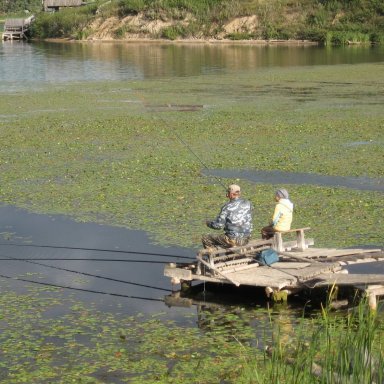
point(299, 268)
point(17, 29)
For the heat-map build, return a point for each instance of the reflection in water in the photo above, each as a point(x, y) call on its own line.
point(25, 64)
point(280, 177)
point(241, 314)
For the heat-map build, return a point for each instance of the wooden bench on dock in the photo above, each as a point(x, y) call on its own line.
point(299, 244)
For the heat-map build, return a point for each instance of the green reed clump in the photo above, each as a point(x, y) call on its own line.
point(330, 348)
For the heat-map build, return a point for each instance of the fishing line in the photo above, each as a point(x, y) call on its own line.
point(80, 289)
point(85, 259)
point(92, 275)
point(195, 155)
point(96, 250)
point(185, 145)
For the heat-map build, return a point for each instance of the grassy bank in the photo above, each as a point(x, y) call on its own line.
point(327, 22)
point(110, 152)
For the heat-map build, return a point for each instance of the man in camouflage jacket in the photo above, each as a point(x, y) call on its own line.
point(235, 218)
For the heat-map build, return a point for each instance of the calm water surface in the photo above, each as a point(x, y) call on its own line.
point(35, 64)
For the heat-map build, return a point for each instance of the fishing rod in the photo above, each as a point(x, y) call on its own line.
point(80, 289)
point(95, 250)
point(91, 275)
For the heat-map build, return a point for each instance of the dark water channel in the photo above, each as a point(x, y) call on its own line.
point(280, 177)
point(112, 268)
point(104, 265)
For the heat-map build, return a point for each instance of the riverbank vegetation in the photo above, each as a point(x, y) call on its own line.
point(331, 22)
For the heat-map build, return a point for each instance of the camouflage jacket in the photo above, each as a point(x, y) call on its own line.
point(235, 217)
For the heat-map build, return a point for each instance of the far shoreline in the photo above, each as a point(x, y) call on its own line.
point(187, 41)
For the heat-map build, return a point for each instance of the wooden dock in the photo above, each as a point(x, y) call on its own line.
point(17, 29)
point(300, 268)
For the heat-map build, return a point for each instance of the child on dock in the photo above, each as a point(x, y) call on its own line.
point(282, 216)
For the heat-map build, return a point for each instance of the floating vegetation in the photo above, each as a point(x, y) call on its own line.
point(69, 152)
point(231, 344)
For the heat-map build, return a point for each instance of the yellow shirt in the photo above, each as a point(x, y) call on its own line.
point(282, 216)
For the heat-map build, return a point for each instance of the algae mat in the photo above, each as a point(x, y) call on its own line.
point(132, 153)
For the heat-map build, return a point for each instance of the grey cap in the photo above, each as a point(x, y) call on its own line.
point(282, 193)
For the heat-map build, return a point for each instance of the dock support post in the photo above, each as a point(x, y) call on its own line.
point(185, 285)
point(278, 242)
point(277, 296)
point(372, 292)
point(300, 240)
point(372, 302)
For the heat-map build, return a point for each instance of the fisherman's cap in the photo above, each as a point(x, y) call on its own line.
point(233, 188)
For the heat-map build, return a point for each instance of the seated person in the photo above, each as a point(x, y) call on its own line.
point(235, 218)
point(282, 216)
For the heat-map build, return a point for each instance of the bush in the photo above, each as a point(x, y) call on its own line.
point(130, 7)
point(239, 36)
point(377, 37)
point(68, 23)
point(173, 32)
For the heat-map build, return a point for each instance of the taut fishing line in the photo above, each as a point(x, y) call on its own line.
point(179, 138)
point(79, 289)
point(95, 250)
point(90, 274)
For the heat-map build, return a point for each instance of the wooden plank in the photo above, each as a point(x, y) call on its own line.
point(313, 271)
point(332, 252)
point(251, 246)
point(296, 229)
point(237, 268)
point(178, 273)
point(291, 265)
point(348, 279)
point(231, 263)
point(277, 281)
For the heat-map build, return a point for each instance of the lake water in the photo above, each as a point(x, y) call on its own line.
point(35, 64)
point(112, 266)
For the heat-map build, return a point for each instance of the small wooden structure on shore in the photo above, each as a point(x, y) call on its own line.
point(300, 268)
point(17, 29)
point(56, 5)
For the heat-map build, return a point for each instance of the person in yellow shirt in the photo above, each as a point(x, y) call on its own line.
point(282, 216)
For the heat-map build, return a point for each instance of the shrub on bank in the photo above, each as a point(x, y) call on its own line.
point(66, 23)
point(336, 22)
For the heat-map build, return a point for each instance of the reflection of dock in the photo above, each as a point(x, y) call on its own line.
point(17, 29)
point(299, 269)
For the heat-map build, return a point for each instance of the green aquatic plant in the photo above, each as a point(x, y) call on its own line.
point(49, 336)
point(88, 153)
